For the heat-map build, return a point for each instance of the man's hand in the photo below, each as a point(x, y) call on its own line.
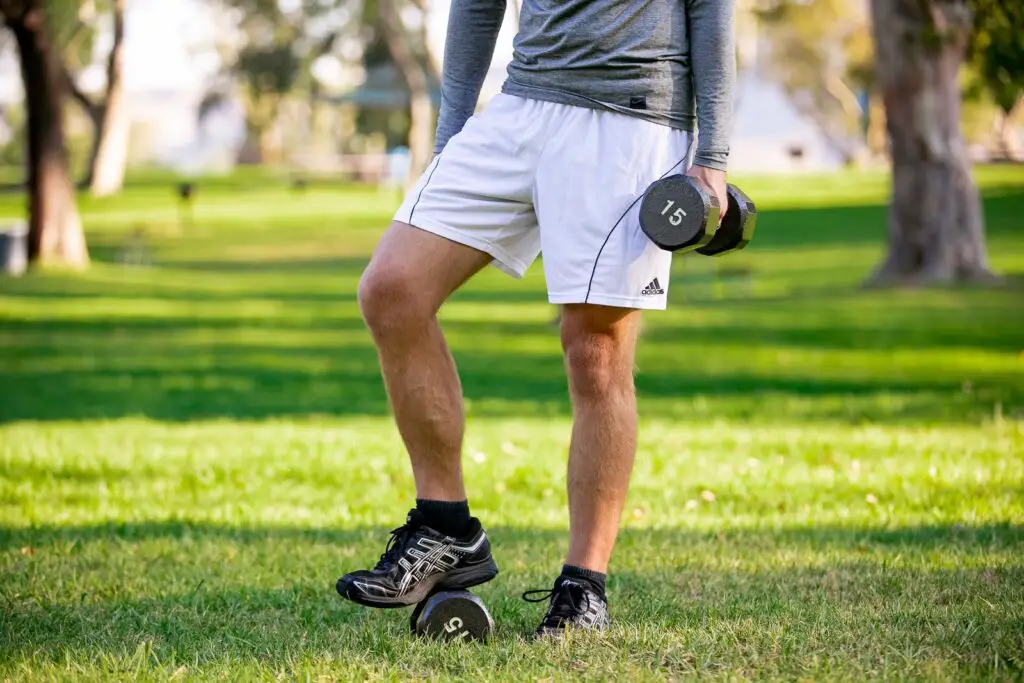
point(715, 181)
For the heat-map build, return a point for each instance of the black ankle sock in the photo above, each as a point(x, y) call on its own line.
point(571, 571)
point(450, 517)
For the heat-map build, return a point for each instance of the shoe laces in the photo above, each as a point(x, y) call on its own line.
point(568, 600)
point(396, 543)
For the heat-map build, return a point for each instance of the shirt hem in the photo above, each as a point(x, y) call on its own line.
point(535, 92)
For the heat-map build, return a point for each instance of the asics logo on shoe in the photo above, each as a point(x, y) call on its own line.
point(572, 604)
point(427, 556)
point(417, 560)
point(593, 611)
point(592, 616)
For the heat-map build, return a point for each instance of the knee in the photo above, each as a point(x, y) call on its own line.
point(596, 363)
point(389, 299)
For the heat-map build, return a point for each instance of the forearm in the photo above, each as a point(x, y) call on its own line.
point(473, 27)
point(713, 65)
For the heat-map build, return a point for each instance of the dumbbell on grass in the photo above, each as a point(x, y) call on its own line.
point(680, 214)
point(452, 616)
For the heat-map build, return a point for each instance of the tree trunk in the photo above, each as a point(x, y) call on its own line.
point(55, 230)
point(414, 73)
point(250, 154)
point(262, 136)
point(421, 133)
point(270, 147)
point(110, 148)
point(108, 157)
point(936, 230)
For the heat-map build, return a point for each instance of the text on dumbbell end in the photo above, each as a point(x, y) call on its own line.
point(455, 624)
point(677, 216)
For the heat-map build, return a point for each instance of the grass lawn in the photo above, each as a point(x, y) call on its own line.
point(830, 481)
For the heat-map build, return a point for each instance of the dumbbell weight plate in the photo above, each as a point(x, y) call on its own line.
point(737, 228)
point(452, 615)
point(678, 214)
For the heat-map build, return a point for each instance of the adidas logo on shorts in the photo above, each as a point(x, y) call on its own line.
point(653, 289)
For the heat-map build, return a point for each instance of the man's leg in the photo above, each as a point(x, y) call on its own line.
point(600, 345)
point(411, 274)
point(440, 546)
point(472, 206)
point(603, 269)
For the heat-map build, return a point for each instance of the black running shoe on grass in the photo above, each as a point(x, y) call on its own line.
point(419, 561)
point(572, 604)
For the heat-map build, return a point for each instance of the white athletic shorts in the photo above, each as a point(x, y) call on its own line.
point(526, 176)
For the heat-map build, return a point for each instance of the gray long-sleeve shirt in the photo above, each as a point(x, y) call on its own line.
point(667, 61)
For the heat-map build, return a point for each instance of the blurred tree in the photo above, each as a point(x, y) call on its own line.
point(269, 68)
point(820, 52)
point(996, 52)
point(936, 228)
point(76, 24)
point(55, 229)
point(269, 73)
point(403, 24)
point(280, 42)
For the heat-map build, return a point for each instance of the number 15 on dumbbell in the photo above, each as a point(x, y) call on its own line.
point(679, 213)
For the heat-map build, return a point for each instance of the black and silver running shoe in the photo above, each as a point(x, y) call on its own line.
point(572, 604)
point(419, 561)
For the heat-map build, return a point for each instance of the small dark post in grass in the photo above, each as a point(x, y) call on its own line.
point(186, 193)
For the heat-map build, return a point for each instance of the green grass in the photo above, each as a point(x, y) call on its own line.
point(830, 481)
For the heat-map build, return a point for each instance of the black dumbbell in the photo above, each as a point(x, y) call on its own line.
point(452, 616)
point(737, 228)
point(679, 213)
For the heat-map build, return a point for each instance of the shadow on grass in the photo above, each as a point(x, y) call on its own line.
point(183, 294)
point(176, 368)
point(230, 599)
point(273, 354)
point(785, 229)
point(514, 542)
point(252, 382)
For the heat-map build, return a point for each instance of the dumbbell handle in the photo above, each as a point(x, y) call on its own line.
point(737, 228)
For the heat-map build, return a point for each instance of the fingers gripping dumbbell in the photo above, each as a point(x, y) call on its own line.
point(679, 213)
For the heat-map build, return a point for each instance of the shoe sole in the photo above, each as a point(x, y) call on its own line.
point(458, 579)
point(556, 633)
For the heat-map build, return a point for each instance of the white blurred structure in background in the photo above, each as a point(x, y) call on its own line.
point(171, 58)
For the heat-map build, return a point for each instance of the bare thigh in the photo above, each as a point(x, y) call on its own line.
point(612, 330)
point(418, 267)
